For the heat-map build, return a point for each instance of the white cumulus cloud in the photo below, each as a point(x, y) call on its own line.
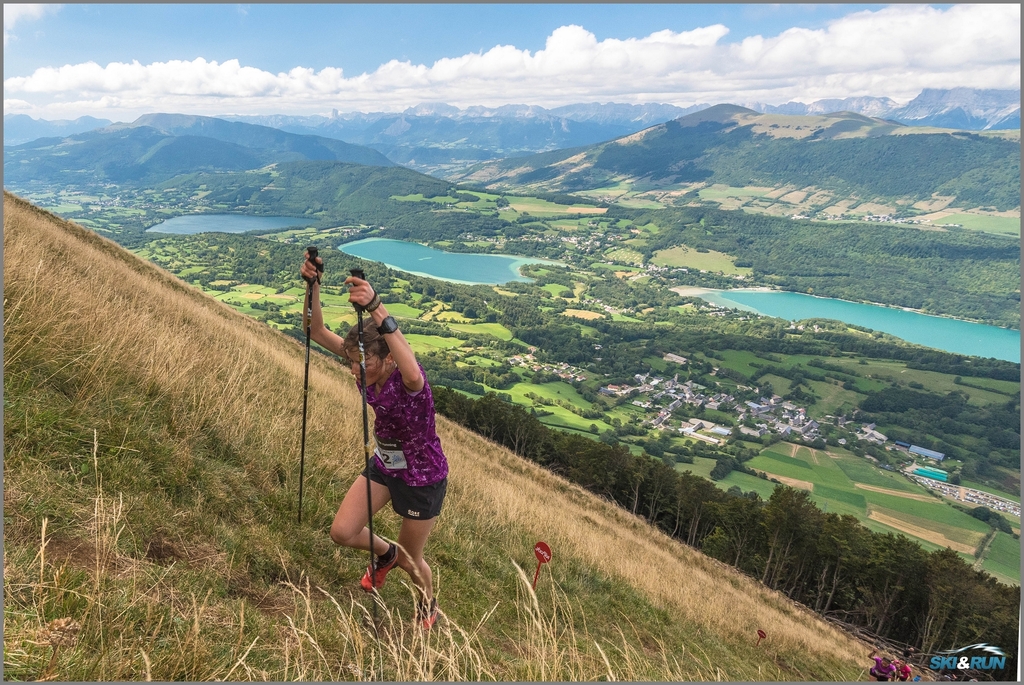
point(18, 13)
point(895, 51)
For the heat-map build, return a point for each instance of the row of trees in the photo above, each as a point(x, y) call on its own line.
point(884, 583)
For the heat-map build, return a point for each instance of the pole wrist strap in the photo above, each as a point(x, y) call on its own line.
point(373, 304)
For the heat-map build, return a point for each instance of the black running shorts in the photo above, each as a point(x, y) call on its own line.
point(411, 502)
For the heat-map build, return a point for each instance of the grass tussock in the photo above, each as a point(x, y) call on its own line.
point(151, 440)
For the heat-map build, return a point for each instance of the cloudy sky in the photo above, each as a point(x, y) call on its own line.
point(120, 61)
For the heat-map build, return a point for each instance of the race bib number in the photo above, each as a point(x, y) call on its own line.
point(391, 454)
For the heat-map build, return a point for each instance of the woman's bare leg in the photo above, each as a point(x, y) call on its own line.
point(412, 537)
point(349, 527)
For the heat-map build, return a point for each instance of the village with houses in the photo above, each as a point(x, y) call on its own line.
point(768, 414)
point(660, 397)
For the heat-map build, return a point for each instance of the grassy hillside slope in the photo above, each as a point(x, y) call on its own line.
point(151, 441)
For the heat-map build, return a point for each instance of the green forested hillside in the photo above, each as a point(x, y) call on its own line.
point(331, 190)
point(974, 275)
point(158, 147)
point(847, 154)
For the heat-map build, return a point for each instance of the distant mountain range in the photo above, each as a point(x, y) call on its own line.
point(960, 108)
point(21, 128)
point(441, 139)
point(434, 138)
point(831, 157)
point(157, 147)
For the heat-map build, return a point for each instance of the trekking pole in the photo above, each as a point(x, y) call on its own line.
point(308, 321)
point(358, 273)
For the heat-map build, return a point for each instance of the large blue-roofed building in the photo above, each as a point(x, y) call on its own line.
point(931, 454)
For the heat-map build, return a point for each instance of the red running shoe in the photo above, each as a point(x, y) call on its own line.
point(381, 572)
point(426, 617)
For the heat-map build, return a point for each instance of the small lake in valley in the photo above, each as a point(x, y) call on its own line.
point(951, 335)
point(224, 223)
point(457, 267)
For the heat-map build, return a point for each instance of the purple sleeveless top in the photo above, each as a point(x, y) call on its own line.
point(409, 419)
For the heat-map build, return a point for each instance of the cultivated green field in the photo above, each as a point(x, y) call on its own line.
point(834, 399)
point(746, 483)
point(934, 381)
point(617, 267)
point(487, 202)
point(701, 466)
point(1003, 559)
point(625, 256)
point(429, 343)
point(403, 310)
point(555, 392)
point(418, 197)
point(556, 289)
point(738, 360)
point(1005, 225)
point(705, 261)
point(843, 483)
point(537, 207)
point(719, 192)
point(495, 329)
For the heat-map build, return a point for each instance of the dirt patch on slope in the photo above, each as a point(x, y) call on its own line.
point(895, 493)
point(792, 482)
point(918, 532)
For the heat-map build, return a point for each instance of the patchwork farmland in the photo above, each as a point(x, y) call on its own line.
point(883, 501)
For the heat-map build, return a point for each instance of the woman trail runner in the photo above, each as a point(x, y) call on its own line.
point(883, 670)
point(409, 468)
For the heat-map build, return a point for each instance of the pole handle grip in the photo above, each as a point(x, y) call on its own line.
point(360, 274)
point(313, 254)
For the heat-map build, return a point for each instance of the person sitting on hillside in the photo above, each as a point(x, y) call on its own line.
point(883, 670)
point(409, 469)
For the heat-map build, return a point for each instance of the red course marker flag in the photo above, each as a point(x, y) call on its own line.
point(543, 554)
point(760, 636)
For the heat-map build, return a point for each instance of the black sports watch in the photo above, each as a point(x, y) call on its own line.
point(388, 325)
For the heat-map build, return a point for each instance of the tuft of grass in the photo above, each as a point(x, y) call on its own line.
point(151, 439)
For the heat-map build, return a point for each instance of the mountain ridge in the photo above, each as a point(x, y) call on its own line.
point(846, 154)
point(157, 147)
point(962, 108)
point(21, 128)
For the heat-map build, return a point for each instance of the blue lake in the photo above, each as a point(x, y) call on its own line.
point(224, 223)
point(457, 267)
point(951, 335)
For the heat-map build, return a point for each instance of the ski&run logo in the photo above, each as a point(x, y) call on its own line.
point(959, 660)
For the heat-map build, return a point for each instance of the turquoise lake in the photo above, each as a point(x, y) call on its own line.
point(951, 335)
point(458, 267)
point(223, 223)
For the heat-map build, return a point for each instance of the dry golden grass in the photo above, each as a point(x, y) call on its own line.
point(108, 321)
point(791, 482)
point(582, 314)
